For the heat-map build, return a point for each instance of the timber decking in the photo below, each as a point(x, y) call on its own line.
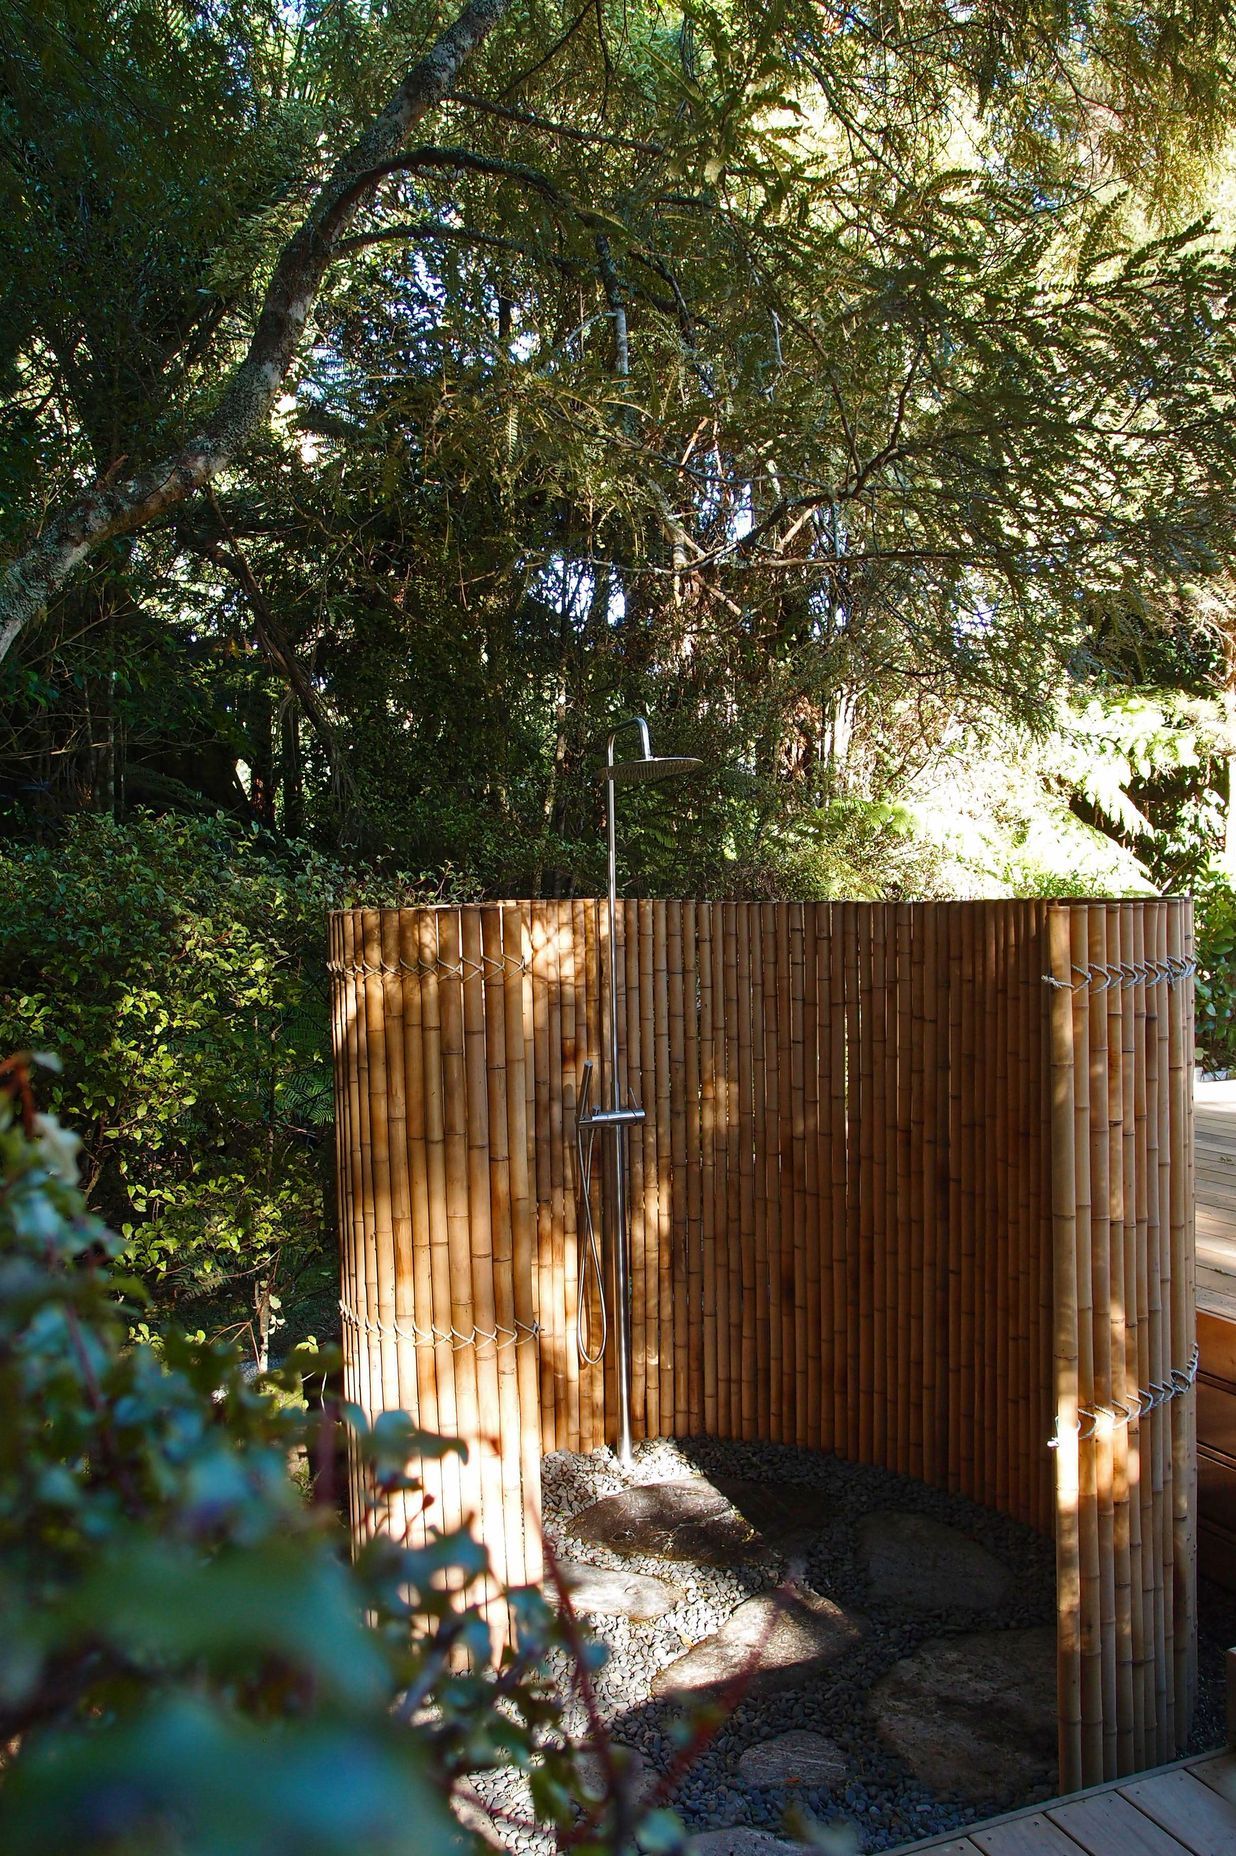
point(1184, 1810)
point(1214, 1115)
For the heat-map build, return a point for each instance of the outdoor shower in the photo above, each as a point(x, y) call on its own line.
point(617, 1118)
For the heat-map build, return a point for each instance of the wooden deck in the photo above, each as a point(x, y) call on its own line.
point(1214, 1109)
point(1188, 1809)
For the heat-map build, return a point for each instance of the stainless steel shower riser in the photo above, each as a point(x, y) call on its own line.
point(618, 1117)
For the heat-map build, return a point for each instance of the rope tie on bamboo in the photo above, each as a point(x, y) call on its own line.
point(431, 1336)
point(1099, 977)
point(1091, 1421)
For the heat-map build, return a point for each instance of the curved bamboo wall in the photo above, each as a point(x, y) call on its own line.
point(914, 1186)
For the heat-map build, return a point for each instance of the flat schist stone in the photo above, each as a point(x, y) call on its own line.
point(974, 1716)
point(925, 1565)
point(796, 1758)
point(774, 1641)
point(741, 1841)
point(599, 1592)
point(719, 1522)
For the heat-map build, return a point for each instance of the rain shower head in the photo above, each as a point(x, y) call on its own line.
point(654, 767)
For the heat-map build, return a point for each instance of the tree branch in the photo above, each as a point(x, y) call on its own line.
point(115, 506)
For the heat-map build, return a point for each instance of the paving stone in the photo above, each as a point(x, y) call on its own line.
point(719, 1522)
point(974, 1716)
point(634, 1774)
point(598, 1591)
point(925, 1565)
point(796, 1758)
point(740, 1841)
point(776, 1640)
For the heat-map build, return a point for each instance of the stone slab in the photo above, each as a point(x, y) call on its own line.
point(796, 1758)
point(598, 1591)
point(708, 1522)
point(741, 1841)
point(776, 1640)
point(974, 1716)
point(925, 1565)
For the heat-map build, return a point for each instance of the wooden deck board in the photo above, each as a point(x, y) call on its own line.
point(1186, 1809)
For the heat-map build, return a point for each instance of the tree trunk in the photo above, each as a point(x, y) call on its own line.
point(115, 505)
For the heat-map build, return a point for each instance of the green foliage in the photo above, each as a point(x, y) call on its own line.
point(178, 968)
point(1215, 929)
point(188, 1668)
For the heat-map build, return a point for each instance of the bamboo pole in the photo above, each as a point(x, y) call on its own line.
point(451, 1494)
point(676, 1108)
point(730, 1250)
point(666, 1317)
point(1092, 1631)
point(482, 1313)
point(417, 1316)
point(930, 1084)
point(1157, 1528)
point(517, 1016)
point(786, 1275)
point(1135, 1284)
point(842, 1304)
point(349, 1189)
point(746, 1417)
point(859, 1135)
point(566, 1035)
point(760, 978)
point(501, 1231)
point(694, 1189)
point(955, 1216)
point(1122, 1312)
point(405, 1387)
point(649, 1315)
point(1182, 1324)
point(368, 1255)
point(550, 1343)
point(1104, 1216)
point(598, 1379)
point(1066, 1354)
point(566, 1360)
point(706, 916)
point(458, 1236)
point(817, 1336)
point(970, 1384)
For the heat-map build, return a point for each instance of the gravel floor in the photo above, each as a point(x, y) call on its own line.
point(883, 1803)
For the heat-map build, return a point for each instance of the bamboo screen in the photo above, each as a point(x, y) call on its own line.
point(914, 1186)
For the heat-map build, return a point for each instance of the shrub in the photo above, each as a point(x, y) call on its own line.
point(191, 1667)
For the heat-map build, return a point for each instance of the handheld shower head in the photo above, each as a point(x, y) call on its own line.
point(653, 767)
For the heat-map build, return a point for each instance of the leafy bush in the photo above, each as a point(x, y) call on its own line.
point(187, 1666)
point(178, 967)
point(1215, 924)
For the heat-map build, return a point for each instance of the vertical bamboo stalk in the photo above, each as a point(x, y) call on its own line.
point(707, 918)
point(955, 1219)
point(1157, 1530)
point(555, 915)
point(549, 1348)
point(726, 1390)
point(881, 1338)
point(1014, 1122)
point(907, 1360)
point(502, 1243)
point(761, 957)
point(418, 1316)
point(969, 1382)
point(679, 1188)
point(565, 1037)
point(596, 1398)
point(643, 1393)
point(733, 1172)
point(451, 1507)
point(405, 1388)
point(666, 1314)
point(814, 1333)
point(1182, 1322)
point(1065, 1354)
point(784, 1111)
point(349, 1191)
point(999, 1453)
point(842, 1188)
point(1135, 1284)
point(695, 1184)
point(1121, 1312)
point(1092, 1633)
point(859, 1224)
point(746, 1417)
point(458, 1235)
point(369, 1247)
point(517, 1028)
point(649, 1315)
point(482, 1314)
point(930, 1083)
point(1104, 1109)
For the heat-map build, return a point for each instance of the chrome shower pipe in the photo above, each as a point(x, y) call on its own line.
point(615, 1118)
